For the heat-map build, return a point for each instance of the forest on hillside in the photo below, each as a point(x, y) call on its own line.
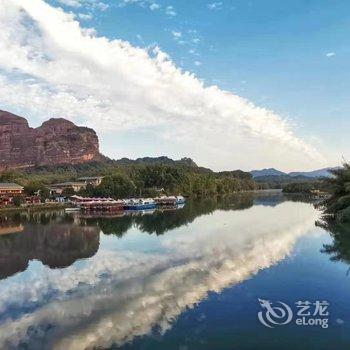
point(122, 181)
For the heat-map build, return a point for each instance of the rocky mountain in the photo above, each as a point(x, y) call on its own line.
point(56, 141)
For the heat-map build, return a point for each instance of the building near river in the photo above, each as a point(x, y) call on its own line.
point(33, 200)
point(10, 189)
point(91, 180)
point(75, 185)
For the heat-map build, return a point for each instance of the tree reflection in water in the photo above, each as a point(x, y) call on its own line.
point(339, 249)
point(166, 219)
point(131, 290)
point(58, 239)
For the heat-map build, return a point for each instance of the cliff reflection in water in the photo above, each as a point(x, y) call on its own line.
point(127, 290)
point(53, 238)
point(58, 239)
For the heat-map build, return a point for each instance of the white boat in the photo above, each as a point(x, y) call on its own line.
point(97, 204)
point(180, 200)
point(139, 204)
point(170, 200)
point(71, 209)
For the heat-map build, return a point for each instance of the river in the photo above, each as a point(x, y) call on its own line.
point(232, 273)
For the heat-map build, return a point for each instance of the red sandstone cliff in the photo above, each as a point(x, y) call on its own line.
point(56, 141)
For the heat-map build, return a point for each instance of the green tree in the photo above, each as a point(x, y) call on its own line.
point(17, 201)
point(116, 186)
point(10, 176)
point(34, 187)
point(44, 194)
point(337, 205)
point(69, 191)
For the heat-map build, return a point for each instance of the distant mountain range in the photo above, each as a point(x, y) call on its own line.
point(267, 172)
point(325, 172)
point(274, 173)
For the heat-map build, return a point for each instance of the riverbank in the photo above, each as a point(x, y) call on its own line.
point(32, 208)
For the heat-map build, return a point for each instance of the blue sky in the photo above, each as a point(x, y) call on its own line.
point(290, 57)
point(272, 52)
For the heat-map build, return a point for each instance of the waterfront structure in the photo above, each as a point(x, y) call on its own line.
point(170, 200)
point(10, 189)
point(75, 185)
point(91, 180)
point(33, 200)
point(139, 204)
point(97, 204)
point(5, 200)
point(60, 199)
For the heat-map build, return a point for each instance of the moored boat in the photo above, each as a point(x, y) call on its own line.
point(170, 200)
point(98, 204)
point(72, 209)
point(139, 204)
point(180, 200)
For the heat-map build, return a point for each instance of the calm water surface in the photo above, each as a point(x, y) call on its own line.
point(185, 279)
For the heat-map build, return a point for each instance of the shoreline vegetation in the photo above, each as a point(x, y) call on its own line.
point(317, 188)
point(336, 207)
point(134, 180)
point(148, 177)
point(336, 215)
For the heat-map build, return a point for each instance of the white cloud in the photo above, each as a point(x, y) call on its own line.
point(85, 16)
point(89, 4)
point(197, 63)
point(154, 6)
point(330, 54)
point(140, 38)
point(215, 6)
point(71, 3)
point(148, 4)
point(50, 66)
point(101, 6)
point(176, 35)
point(123, 294)
point(170, 11)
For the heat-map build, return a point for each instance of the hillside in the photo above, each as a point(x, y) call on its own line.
point(163, 160)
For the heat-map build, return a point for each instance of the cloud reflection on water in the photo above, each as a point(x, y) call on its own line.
point(120, 294)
